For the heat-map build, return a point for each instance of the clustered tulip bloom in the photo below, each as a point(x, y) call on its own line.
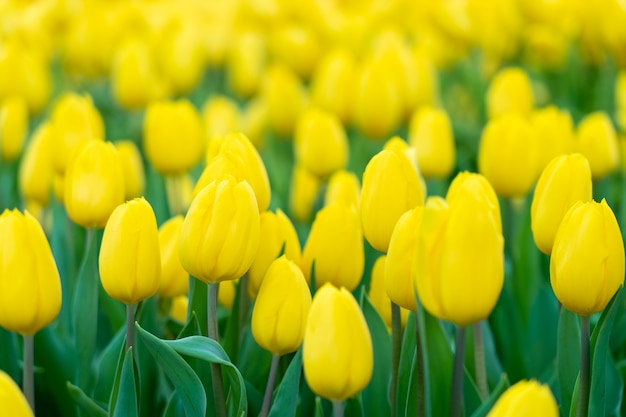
point(343, 187)
point(132, 167)
point(597, 141)
point(12, 401)
point(510, 92)
point(36, 170)
point(430, 133)
point(525, 399)
point(174, 278)
point(13, 127)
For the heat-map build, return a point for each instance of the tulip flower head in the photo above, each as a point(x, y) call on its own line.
point(378, 294)
point(303, 193)
point(510, 92)
point(525, 399)
point(597, 141)
point(431, 135)
point(13, 127)
point(554, 130)
point(36, 170)
point(12, 401)
point(343, 186)
point(332, 82)
point(132, 166)
point(174, 278)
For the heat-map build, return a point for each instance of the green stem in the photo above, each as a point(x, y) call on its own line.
point(337, 408)
point(582, 408)
point(396, 348)
point(479, 362)
point(131, 309)
point(269, 389)
point(456, 398)
point(216, 370)
point(28, 380)
point(420, 370)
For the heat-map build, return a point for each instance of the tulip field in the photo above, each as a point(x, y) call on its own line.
point(321, 208)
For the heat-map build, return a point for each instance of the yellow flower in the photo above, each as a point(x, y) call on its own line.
point(566, 180)
point(254, 121)
point(12, 401)
point(297, 46)
point(94, 184)
point(321, 144)
point(220, 116)
point(178, 310)
point(226, 293)
point(554, 131)
point(132, 167)
point(343, 187)
point(427, 80)
point(174, 278)
point(510, 91)
point(182, 57)
point(477, 185)
point(335, 247)
point(285, 99)
point(525, 399)
point(587, 262)
point(597, 141)
point(430, 133)
point(277, 234)
point(332, 83)
point(246, 63)
point(172, 136)
point(304, 189)
point(337, 353)
point(30, 286)
point(281, 308)
point(130, 260)
point(13, 127)
point(36, 170)
point(220, 235)
point(378, 295)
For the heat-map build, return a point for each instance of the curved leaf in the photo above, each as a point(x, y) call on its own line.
point(126, 404)
point(86, 404)
point(286, 401)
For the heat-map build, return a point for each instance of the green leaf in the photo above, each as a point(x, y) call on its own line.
point(319, 410)
point(86, 404)
point(198, 302)
point(541, 340)
point(111, 356)
point(191, 328)
point(117, 376)
point(285, 402)
point(614, 387)
point(187, 383)
point(126, 404)
point(174, 406)
point(484, 409)
point(567, 356)
point(233, 326)
point(439, 361)
point(407, 364)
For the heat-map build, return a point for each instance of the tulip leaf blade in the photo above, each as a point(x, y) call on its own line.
point(86, 404)
point(488, 404)
point(191, 328)
point(126, 403)
point(567, 356)
point(115, 385)
point(183, 377)
point(285, 402)
point(439, 359)
point(174, 407)
point(407, 364)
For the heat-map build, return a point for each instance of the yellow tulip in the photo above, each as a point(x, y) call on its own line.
point(174, 278)
point(587, 262)
point(182, 57)
point(378, 295)
point(566, 180)
point(337, 353)
point(130, 259)
point(554, 130)
point(335, 247)
point(303, 193)
point(178, 310)
point(525, 399)
point(285, 98)
point(254, 121)
point(427, 80)
point(12, 401)
point(597, 141)
point(246, 63)
point(220, 116)
point(510, 91)
point(507, 155)
point(281, 308)
point(30, 286)
point(297, 46)
point(36, 170)
point(132, 167)
point(332, 83)
point(172, 136)
point(220, 235)
point(226, 293)
point(430, 133)
point(343, 187)
point(321, 143)
point(13, 127)
point(94, 184)
point(478, 186)
point(391, 186)
point(277, 234)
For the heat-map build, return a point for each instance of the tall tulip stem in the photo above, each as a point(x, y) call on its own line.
point(479, 362)
point(131, 309)
point(216, 370)
point(269, 389)
point(582, 408)
point(456, 398)
point(337, 408)
point(396, 347)
point(420, 370)
point(28, 380)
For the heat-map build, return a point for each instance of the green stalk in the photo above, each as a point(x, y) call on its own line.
point(269, 389)
point(396, 348)
point(131, 309)
point(337, 408)
point(420, 369)
point(479, 362)
point(28, 381)
point(216, 370)
point(582, 409)
point(456, 398)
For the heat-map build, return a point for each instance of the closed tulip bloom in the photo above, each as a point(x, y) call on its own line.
point(321, 143)
point(12, 401)
point(178, 310)
point(172, 136)
point(226, 293)
point(254, 121)
point(332, 83)
point(378, 294)
point(281, 308)
point(13, 127)
point(297, 46)
point(182, 57)
point(337, 353)
point(391, 186)
point(525, 399)
point(430, 133)
point(587, 262)
point(451, 284)
point(220, 235)
point(554, 130)
point(30, 286)
point(174, 278)
point(277, 234)
point(130, 259)
point(303, 192)
point(507, 155)
point(510, 91)
point(36, 171)
point(246, 62)
point(94, 184)
point(220, 116)
point(132, 167)
point(477, 185)
point(343, 187)
point(597, 141)
point(335, 247)
point(285, 98)
point(566, 180)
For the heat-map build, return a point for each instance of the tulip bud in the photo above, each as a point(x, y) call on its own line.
point(597, 141)
point(36, 170)
point(479, 187)
point(332, 83)
point(554, 131)
point(226, 293)
point(304, 189)
point(566, 180)
point(172, 136)
point(174, 278)
point(13, 127)
point(12, 401)
point(220, 235)
point(30, 286)
point(94, 184)
point(132, 167)
point(587, 262)
point(321, 144)
point(525, 398)
point(254, 121)
point(130, 260)
point(246, 62)
point(178, 310)
point(182, 57)
point(378, 295)
point(391, 186)
point(337, 353)
point(285, 98)
point(281, 308)
point(335, 247)
point(343, 187)
point(507, 155)
point(430, 133)
point(220, 116)
point(425, 74)
point(510, 91)
point(277, 234)
point(297, 46)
